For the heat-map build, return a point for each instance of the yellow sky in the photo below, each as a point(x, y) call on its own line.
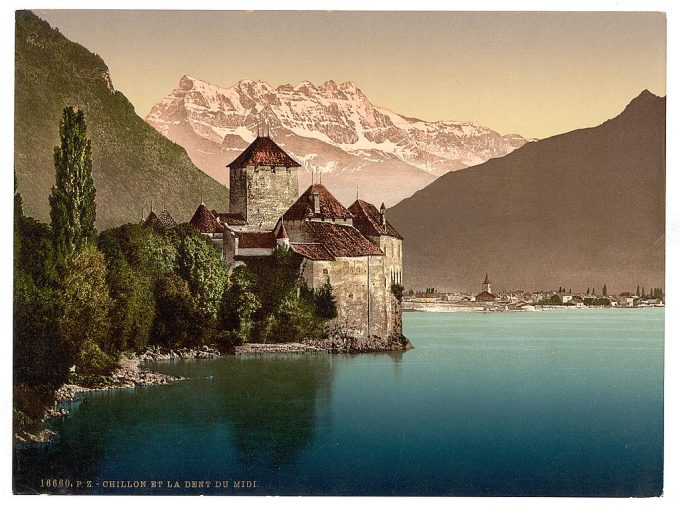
point(536, 74)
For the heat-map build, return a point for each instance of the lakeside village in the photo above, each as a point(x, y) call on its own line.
point(519, 300)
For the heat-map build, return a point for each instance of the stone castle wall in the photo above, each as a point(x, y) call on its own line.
point(262, 193)
point(362, 290)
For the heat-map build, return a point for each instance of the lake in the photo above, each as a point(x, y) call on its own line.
point(553, 403)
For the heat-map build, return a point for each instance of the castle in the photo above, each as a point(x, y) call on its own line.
point(355, 248)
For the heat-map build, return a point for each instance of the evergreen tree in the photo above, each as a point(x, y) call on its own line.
point(604, 290)
point(637, 292)
point(588, 290)
point(72, 199)
point(643, 292)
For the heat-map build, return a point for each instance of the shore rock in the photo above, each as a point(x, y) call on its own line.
point(335, 344)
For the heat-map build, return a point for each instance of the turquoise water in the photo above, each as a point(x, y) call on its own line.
point(555, 403)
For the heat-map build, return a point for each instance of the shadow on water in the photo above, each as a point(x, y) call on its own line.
point(273, 403)
point(251, 415)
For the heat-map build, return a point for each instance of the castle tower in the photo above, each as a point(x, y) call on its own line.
point(263, 183)
point(486, 285)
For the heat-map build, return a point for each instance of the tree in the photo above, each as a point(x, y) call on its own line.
point(84, 325)
point(175, 322)
point(325, 305)
point(72, 199)
point(637, 291)
point(239, 305)
point(201, 265)
point(604, 291)
point(588, 291)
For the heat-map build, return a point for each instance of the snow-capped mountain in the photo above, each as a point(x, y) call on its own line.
point(332, 129)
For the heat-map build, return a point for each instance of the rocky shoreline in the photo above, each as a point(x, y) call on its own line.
point(129, 372)
point(336, 344)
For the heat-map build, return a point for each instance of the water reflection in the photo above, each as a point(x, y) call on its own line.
point(250, 415)
point(273, 403)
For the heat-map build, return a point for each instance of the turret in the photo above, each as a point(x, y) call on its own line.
point(282, 238)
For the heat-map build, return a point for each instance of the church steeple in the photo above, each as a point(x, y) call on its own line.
point(487, 283)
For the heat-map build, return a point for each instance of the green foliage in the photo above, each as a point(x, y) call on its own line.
point(175, 320)
point(397, 290)
point(39, 356)
point(84, 306)
point(72, 199)
point(200, 264)
point(555, 299)
point(239, 305)
point(133, 162)
point(295, 320)
point(34, 251)
point(604, 291)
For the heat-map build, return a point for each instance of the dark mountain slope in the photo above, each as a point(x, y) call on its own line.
point(578, 210)
point(133, 164)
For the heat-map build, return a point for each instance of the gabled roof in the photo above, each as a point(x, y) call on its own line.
point(264, 240)
point(329, 207)
point(341, 240)
point(204, 221)
point(312, 250)
point(263, 152)
point(368, 221)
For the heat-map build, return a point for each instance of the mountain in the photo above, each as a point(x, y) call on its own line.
point(132, 163)
point(577, 210)
point(332, 128)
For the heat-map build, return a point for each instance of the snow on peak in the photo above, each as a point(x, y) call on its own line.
point(339, 115)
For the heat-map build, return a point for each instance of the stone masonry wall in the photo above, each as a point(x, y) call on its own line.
point(263, 193)
point(351, 283)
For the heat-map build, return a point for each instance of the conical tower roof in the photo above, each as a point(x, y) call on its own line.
point(486, 280)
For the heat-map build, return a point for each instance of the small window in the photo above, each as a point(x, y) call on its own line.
point(325, 271)
point(350, 295)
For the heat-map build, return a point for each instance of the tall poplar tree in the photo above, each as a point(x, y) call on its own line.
point(72, 199)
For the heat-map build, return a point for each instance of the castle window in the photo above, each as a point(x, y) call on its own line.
point(325, 271)
point(350, 295)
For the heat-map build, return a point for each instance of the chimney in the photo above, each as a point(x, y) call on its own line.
point(317, 203)
point(383, 222)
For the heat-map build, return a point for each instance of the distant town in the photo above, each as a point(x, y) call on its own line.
point(520, 300)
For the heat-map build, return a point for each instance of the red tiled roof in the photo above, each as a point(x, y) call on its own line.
point(263, 152)
point(204, 221)
point(367, 220)
point(485, 296)
point(165, 218)
point(161, 220)
point(265, 240)
point(238, 219)
point(341, 240)
point(329, 207)
point(312, 251)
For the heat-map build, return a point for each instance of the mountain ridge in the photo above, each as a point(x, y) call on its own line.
point(133, 164)
point(332, 129)
point(578, 209)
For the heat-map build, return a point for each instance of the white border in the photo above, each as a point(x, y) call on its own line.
point(669, 502)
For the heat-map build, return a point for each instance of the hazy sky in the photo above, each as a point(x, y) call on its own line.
point(536, 74)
